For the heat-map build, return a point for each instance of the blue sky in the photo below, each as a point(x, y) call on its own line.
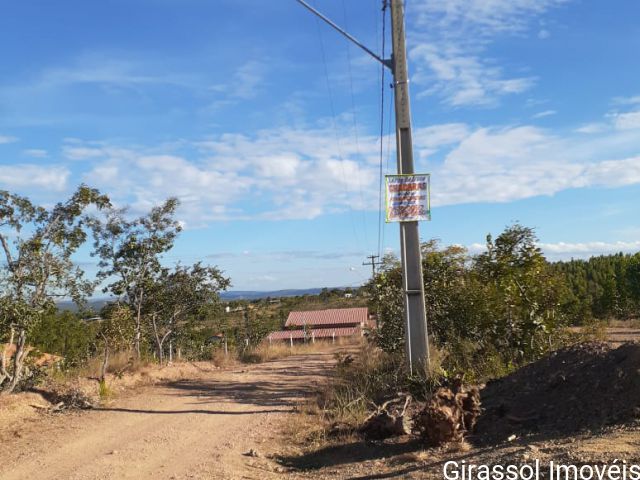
point(265, 123)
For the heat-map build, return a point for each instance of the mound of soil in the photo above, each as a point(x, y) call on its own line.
point(581, 387)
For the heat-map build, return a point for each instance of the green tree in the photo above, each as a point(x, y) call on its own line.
point(324, 295)
point(633, 282)
point(114, 333)
point(64, 333)
point(502, 307)
point(130, 252)
point(38, 244)
point(385, 291)
point(525, 294)
point(602, 287)
point(177, 294)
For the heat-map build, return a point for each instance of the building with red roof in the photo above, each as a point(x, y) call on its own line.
point(323, 324)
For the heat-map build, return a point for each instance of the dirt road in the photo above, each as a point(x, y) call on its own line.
point(196, 428)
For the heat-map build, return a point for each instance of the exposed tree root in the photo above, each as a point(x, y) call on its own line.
point(449, 415)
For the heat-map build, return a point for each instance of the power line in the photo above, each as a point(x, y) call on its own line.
point(335, 132)
point(355, 130)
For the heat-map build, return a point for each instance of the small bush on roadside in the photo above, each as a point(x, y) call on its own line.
point(221, 359)
point(119, 362)
point(104, 391)
point(369, 377)
point(362, 380)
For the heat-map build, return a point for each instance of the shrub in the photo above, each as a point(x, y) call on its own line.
point(488, 313)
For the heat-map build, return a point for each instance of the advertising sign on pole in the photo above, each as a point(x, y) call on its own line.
point(407, 198)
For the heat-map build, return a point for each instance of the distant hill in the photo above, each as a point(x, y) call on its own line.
point(254, 295)
point(96, 304)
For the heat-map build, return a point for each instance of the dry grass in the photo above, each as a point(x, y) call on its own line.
point(630, 323)
point(223, 360)
point(82, 380)
point(119, 364)
point(307, 427)
point(265, 351)
point(595, 330)
point(365, 378)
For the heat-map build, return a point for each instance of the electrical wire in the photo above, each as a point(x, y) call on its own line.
point(355, 129)
point(335, 131)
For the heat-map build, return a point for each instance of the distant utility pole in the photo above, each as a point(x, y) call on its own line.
point(247, 325)
point(373, 264)
point(417, 344)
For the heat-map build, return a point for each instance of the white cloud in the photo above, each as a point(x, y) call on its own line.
point(485, 18)
point(112, 72)
point(82, 153)
point(449, 40)
point(436, 136)
point(592, 128)
point(35, 153)
point(627, 121)
point(143, 180)
point(276, 174)
point(613, 173)
point(7, 139)
point(476, 248)
point(248, 79)
point(34, 176)
point(567, 250)
point(428, 140)
point(632, 100)
point(543, 34)
point(284, 173)
point(589, 248)
point(511, 163)
point(615, 120)
point(462, 79)
point(545, 113)
point(245, 84)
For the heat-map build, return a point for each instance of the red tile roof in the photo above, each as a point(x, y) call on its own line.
point(317, 333)
point(335, 316)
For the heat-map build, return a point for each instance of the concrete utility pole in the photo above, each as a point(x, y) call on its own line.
point(417, 344)
point(373, 264)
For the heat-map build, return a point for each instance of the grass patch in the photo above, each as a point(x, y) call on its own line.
point(595, 330)
point(104, 391)
point(630, 323)
point(266, 352)
point(119, 363)
point(368, 377)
